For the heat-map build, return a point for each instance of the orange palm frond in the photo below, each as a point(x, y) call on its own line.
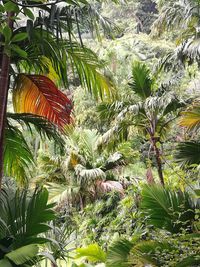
point(38, 95)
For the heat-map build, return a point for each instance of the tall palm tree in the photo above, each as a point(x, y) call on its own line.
point(152, 114)
point(44, 44)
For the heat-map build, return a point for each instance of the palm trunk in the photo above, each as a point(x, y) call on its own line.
point(158, 160)
point(4, 85)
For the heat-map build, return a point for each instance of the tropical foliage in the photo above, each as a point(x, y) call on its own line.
point(99, 133)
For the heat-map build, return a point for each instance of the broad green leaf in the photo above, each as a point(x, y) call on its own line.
point(10, 6)
point(7, 32)
point(19, 37)
point(2, 9)
point(29, 13)
point(18, 50)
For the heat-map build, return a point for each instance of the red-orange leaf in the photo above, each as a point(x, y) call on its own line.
point(37, 94)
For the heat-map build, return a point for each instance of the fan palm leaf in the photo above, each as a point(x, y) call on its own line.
point(119, 253)
point(88, 68)
point(188, 153)
point(26, 217)
point(38, 95)
point(166, 209)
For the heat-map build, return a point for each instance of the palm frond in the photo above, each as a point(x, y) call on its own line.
point(141, 82)
point(167, 209)
point(23, 254)
point(108, 111)
point(38, 95)
point(188, 153)
point(191, 118)
point(171, 15)
point(26, 216)
point(119, 253)
point(93, 253)
point(88, 68)
point(45, 128)
point(17, 155)
point(88, 176)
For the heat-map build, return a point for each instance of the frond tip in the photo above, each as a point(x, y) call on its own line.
point(38, 95)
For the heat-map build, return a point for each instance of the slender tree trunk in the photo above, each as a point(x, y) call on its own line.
point(53, 264)
point(4, 85)
point(158, 160)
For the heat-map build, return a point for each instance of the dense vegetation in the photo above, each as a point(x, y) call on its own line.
point(99, 133)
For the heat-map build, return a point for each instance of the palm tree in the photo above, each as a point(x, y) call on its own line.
point(39, 46)
point(87, 169)
point(152, 114)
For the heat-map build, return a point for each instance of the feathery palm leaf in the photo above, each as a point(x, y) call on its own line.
point(167, 209)
point(87, 67)
point(38, 95)
point(191, 118)
point(65, 56)
point(141, 82)
point(17, 155)
point(41, 125)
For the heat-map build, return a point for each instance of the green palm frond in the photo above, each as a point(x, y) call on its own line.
point(167, 209)
point(119, 254)
point(64, 56)
point(23, 254)
point(17, 155)
point(142, 81)
point(188, 153)
point(88, 144)
point(93, 253)
point(191, 118)
point(189, 50)
point(41, 125)
point(108, 111)
point(88, 68)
